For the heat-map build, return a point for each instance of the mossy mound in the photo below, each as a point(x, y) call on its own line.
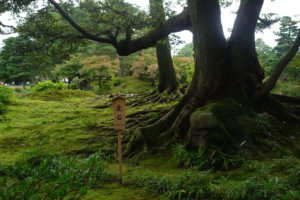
point(58, 95)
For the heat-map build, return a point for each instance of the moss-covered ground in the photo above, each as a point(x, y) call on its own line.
point(67, 122)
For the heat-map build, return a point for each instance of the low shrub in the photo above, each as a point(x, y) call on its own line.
point(48, 85)
point(53, 177)
point(6, 97)
point(119, 81)
point(260, 124)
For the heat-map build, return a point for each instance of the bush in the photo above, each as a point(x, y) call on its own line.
point(52, 177)
point(119, 81)
point(6, 96)
point(48, 85)
point(74, 84)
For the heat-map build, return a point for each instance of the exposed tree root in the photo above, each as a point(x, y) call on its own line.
point(272, 106)
point(287, 99)
point(141, 112)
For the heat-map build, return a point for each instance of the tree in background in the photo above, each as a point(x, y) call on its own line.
point(145, 66)
point(185, 68)
point(69, 68)
point(186, 51)
point(286, 36)
point(167, 80)
point(98, 68)
point(266, 56)
point(16, 65)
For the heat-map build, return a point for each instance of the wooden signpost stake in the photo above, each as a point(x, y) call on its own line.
point(119, 108)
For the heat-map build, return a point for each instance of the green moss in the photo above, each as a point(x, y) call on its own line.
point(58, 95)
point(117, 192)
point(131, 85)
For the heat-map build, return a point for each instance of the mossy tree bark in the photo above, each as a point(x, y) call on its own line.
point(167, 80)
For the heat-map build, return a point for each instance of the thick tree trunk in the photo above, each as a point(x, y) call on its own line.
point(167, 80)
point(246, 68)
point(99, 82)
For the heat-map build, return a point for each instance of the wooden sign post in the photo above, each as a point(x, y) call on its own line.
point(119, 108)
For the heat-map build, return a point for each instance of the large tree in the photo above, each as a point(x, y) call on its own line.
point(227, 83)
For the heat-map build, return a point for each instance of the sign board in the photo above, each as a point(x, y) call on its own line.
point(119, 108)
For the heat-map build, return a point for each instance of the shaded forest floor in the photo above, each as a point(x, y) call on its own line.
point(69, 123)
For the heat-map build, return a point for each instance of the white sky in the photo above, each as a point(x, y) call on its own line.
point(281, 7)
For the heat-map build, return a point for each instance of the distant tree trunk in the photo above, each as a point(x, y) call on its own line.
point(167, 80)
point(99, 81)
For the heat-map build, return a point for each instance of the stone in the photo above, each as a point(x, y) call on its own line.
point(203, 120)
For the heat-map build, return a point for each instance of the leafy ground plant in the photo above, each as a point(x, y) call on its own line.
point(6, 96)
point(53, 177)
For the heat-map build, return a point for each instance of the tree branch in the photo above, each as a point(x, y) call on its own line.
point(125, 47)
point(281, 65)
point(175, 23)
point(5, 26)
point(77, 27)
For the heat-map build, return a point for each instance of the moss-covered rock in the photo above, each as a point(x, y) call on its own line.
point(218, 123)
point(203, 120)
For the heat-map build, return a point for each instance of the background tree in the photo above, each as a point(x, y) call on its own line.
point(69, 68)
point(266, 56)
point(286, 36)
point(186, 51)
point(16, 63)
point(166, 73)
point(98, 68)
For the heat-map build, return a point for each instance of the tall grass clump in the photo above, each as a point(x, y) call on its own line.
point(48, 85)
point(6, 97)
point(214, 158)
point(187, 185)
point(52, 177)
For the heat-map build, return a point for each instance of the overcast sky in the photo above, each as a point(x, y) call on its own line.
point(281, 7)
